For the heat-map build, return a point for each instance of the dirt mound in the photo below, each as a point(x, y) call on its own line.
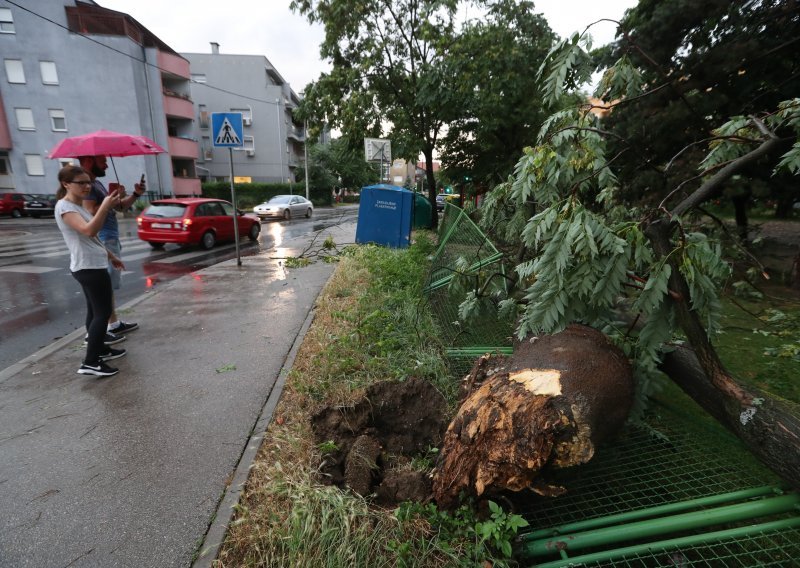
point(370, 440)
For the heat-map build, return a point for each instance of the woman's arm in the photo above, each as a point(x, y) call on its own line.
point(90, 228)
point(115, 261)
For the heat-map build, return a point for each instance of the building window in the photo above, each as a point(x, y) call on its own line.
point(34, 164)
point(205, 118)
point(4, 169)
point(58, 121)
point(6, 21)
point(207, 149)
point(24, 119)
point(249, 144)
point(247, 115)
point(198, 77)
point(14, 71)
point(49, 73)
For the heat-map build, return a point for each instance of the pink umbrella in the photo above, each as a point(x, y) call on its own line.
point(105, 143)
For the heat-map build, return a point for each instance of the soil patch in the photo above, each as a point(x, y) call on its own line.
point(371, 443)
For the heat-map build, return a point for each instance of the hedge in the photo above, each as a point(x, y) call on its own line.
point(249, 195)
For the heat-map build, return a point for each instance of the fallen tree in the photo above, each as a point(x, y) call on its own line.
point(580, 246)
point(768, 425)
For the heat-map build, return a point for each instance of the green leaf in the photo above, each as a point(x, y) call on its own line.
point(790, 161)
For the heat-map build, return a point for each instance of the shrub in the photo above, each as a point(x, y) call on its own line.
point(249, 195)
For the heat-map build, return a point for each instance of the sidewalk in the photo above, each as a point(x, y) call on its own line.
point(129, 470)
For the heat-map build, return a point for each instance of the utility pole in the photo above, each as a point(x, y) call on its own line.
point(305, 152)
point(280, 142)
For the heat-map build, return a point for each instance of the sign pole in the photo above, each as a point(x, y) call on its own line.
point(235, 210)
point(227, 131)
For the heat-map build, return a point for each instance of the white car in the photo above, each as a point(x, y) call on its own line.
point(285, 206)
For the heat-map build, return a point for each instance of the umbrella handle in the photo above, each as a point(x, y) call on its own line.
point(113, 167)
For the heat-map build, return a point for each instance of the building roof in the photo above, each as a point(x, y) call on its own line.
point(90, 18)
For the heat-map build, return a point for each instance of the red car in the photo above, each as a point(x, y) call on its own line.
point(13, 204)
point(193, 221)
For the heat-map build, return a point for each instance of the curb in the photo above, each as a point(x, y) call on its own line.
point(215, 535)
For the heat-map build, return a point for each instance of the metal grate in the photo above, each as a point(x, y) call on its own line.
point(668, 460)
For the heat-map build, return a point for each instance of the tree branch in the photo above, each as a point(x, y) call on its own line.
point(714, 184)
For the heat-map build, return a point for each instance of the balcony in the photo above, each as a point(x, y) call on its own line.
point(177, 106)
point(173, 65)
point(5, 133)
point(183, 148)
point(182, 186)
point(296, 134)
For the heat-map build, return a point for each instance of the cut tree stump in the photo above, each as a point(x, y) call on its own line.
point(547, 405)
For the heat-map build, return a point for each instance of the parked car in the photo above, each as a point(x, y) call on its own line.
point(12, 203)
point(440, 202)
point(193, 221)
point(39, 204)
point(286, 206)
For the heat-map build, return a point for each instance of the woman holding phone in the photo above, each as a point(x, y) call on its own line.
point(88, 263)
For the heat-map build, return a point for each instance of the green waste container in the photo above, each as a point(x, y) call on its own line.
point(422, 211)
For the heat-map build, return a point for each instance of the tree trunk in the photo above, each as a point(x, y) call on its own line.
point(428, 153)
point(740, 212)
point(547, 405)
point(769, 427)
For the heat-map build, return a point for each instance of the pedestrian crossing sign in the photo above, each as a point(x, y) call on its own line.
point(227, 129)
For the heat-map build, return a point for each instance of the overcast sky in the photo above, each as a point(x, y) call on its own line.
point(269, 28)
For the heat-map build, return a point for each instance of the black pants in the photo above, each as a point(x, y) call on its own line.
point(96, 284)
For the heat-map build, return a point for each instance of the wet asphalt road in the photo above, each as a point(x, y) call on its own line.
point(40, 302)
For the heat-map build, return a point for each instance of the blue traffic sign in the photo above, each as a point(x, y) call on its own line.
point(227, 130)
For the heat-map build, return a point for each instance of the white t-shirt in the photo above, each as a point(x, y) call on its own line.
point(84, 252)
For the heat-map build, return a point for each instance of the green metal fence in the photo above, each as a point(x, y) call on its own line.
point(669, 492)
point(675, 491)
point(464, 249)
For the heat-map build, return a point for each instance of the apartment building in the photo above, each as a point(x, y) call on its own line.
point(273, 141)
point(58, 81)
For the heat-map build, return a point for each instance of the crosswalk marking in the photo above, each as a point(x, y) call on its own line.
point(17, 258)
point(28, 269)
point(188, 255)
point(33, 245)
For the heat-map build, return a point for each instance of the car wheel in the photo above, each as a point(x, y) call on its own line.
point(308, 213)
point(255, 230)
point(156, 245)
point(16, 213)
point(287, 214)
point(208, 240)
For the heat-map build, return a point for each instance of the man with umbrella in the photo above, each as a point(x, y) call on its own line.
point(109, 234)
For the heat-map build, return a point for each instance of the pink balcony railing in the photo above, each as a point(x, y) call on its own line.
point(173, 64)
point(183, 148)
point(178, 107)
point(182, 186)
